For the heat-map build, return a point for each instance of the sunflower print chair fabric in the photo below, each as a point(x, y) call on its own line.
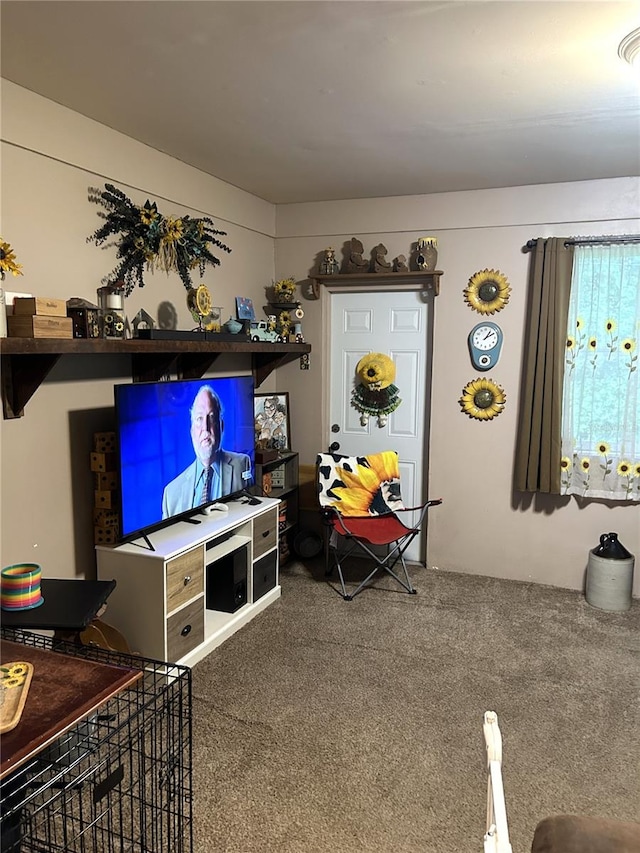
point(359, 485)
point(360, 501)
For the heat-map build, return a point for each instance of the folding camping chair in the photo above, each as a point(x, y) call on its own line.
point(360, 501)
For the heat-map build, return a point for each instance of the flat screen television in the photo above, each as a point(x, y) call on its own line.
point(182, 445)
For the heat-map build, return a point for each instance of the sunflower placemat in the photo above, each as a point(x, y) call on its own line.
point(15, 678)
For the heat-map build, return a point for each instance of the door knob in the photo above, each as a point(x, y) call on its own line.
point(335, 427)
point(334, 446)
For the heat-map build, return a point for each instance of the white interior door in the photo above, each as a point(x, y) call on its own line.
point(394, 323)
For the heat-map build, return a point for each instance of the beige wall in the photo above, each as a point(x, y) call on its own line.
point(50, 156)
point(482, 527)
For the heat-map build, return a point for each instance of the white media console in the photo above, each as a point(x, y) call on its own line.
point(199, 584)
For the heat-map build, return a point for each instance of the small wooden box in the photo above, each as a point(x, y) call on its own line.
point(265, 455)
point(105, 517)
point(104, 442)
point(102, 462)
point(86, 322)
point(105, 499)
point(44, 306)
point(38, 326)
point(106, 480)
point(278, 477)
point(105, 535)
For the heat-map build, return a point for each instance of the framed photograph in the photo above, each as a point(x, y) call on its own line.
point(271, 419)
point(244, 308)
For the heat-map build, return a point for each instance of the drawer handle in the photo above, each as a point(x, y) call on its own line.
point(186, 630)
point(187, 580)
point(265, 533)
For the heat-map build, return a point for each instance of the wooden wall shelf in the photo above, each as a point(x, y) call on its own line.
point(26, 362)
point(431, 279)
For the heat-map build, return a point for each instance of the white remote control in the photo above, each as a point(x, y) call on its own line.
point(209, 510)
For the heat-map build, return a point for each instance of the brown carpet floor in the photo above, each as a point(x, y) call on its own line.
point(326, 725)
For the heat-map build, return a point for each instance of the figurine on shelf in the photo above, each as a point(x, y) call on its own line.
point(271, 322)
point(297, 325)
point(400, 264)
point(284, 325)
point(329, 265)
point(427, 256)
point(380, 262)
point(356, 263)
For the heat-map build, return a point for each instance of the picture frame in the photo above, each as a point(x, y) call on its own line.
point(244, 308)
point(272, 421)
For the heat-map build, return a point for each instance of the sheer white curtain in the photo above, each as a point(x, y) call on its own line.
point(601, 392)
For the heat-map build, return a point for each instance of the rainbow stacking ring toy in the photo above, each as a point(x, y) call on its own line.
point(20, 587)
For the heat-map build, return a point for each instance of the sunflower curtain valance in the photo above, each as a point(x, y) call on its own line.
point(601, 395)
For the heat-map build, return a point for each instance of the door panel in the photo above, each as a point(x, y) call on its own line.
point(395, 323)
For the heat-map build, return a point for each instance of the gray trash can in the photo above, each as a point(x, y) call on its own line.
point(610, 574)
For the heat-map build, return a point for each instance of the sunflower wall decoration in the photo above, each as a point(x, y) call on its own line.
point(482, 399)
point(375, 394)
point(487, 292)
point(148, 240)
point(8, 262)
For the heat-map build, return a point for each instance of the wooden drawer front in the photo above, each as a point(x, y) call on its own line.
point(185, 577)
point(185, 630)
point(265, 533)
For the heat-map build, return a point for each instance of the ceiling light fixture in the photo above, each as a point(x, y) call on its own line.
point(629, 47)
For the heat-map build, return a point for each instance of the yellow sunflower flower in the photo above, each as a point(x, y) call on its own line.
point(376, 370)
point(603, 448)
point(8, 262)
point(571, 342)
point(565, 463)
point(585, 464)
point(610, 326)
point(579, 323)
point(593, 343)
point(624, 468)
point(173, 229)
point(628, 345)
point(487, 292)
point(636, 469)
point(285, 287)
point(363, 486)
point(482, 399)
point(13, 676)
point(148, 213)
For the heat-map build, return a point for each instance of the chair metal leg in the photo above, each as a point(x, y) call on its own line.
point(395, 554)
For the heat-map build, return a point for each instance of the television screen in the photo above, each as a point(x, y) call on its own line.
point(182, 445)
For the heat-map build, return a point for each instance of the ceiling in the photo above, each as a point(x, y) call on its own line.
point(310, 101)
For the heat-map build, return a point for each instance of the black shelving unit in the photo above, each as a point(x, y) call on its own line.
point(286, 465)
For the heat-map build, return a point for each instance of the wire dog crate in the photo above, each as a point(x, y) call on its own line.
point(120, 780)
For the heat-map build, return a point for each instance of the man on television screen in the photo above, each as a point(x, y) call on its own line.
point(215, 472)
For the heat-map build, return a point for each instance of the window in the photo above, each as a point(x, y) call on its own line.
point(601, 391)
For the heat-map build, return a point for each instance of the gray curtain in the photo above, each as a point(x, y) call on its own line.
point(538, 441)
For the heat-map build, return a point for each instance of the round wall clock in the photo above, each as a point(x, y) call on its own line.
point(485, 343)
point(487, 292)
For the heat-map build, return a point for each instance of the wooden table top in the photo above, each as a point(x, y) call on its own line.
point(64, 690)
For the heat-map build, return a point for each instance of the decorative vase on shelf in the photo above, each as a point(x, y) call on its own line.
point(427, 257)
point(233, 326)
